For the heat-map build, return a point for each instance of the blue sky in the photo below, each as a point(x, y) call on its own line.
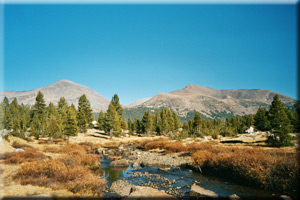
point(138, 51)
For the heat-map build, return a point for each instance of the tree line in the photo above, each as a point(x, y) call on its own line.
point(65, 120)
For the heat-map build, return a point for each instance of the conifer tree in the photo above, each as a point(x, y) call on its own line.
point(165, 128)
point(157, 122)
point(71, 126)
point(53, 127)
point(130, 125)
point(84, 115)
point(112, 121)
point(280, 124)
point(147, 123)
point(197, 123)
point(1, 117)
point(177, 123)
point(101, 120)
point(250, 120)
point(117, 105)
point(39, 107)
point(36, 127)
point(124, 124)
point(261, 121)
point(8, 119)
point(62, 105)
point(136, 125)
point(62, 108)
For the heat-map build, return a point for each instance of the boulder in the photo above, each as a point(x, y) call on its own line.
point(119, 163)
point(198, 191)
point(165, 168)
point(135, 165)
point(140, 192)
point(121, 187)
point(19, 150)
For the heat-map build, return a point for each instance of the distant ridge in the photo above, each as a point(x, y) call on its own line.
point(212, 103)
point(66, 88)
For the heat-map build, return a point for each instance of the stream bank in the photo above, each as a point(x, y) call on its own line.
point(169, 173)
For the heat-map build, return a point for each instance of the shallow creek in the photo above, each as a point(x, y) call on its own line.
point(179, 180)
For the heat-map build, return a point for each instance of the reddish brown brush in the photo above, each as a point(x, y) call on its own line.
point(169, 146)
point(21, 157)
point(275, 170)
point(57, 173)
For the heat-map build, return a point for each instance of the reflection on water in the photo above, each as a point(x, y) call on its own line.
point(113, 174)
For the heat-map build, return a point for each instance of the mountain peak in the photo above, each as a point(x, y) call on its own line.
point(63, 88)
point(65, 81)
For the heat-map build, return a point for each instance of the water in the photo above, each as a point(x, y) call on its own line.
point(184, 178)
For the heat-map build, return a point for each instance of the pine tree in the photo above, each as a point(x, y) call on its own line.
point(280, 124)
point(84, 115)
point(250, 120)
point(165, 128)
point(124, 124)
point(62, 105)
point(71, 126)
point(53, 127)
point(39, 107)
point(147, 123)
point(157, 122)
point(62, 108)
point(177, 123)
point(261, 121)
point(117, 105)
point(101, 120)
point(1, 117)
point(197, 123)
point(136, 125)
point(8, 119)
point(36, 127)
point(112, 121)
point(130, 125)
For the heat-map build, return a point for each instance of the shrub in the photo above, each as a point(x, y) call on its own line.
point(60, 173)
point(21, 157)
point(274, 170)
point(169, 146)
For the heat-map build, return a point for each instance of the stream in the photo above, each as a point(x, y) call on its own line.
point(181, 181)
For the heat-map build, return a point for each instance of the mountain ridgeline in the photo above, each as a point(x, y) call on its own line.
point(211, 103)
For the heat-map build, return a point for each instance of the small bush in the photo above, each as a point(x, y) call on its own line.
point(61, 173)
point(170, 147)
point(274, 170)
point(89, 147)
point(21, 157)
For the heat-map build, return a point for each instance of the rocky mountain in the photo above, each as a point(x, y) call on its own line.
point(212, 103)
point(136, 103)
point(68, 89)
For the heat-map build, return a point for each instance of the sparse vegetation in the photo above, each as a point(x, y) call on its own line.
point(275, 170)
point(72, 171)
point(271, 169)
point(29, 155)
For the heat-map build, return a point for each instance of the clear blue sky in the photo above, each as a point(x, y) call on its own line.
point(139, 51)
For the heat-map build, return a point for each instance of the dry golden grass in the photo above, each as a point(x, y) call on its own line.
point(28, 155)
point(71, 171)
point(269, 168)
point(273, 169)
